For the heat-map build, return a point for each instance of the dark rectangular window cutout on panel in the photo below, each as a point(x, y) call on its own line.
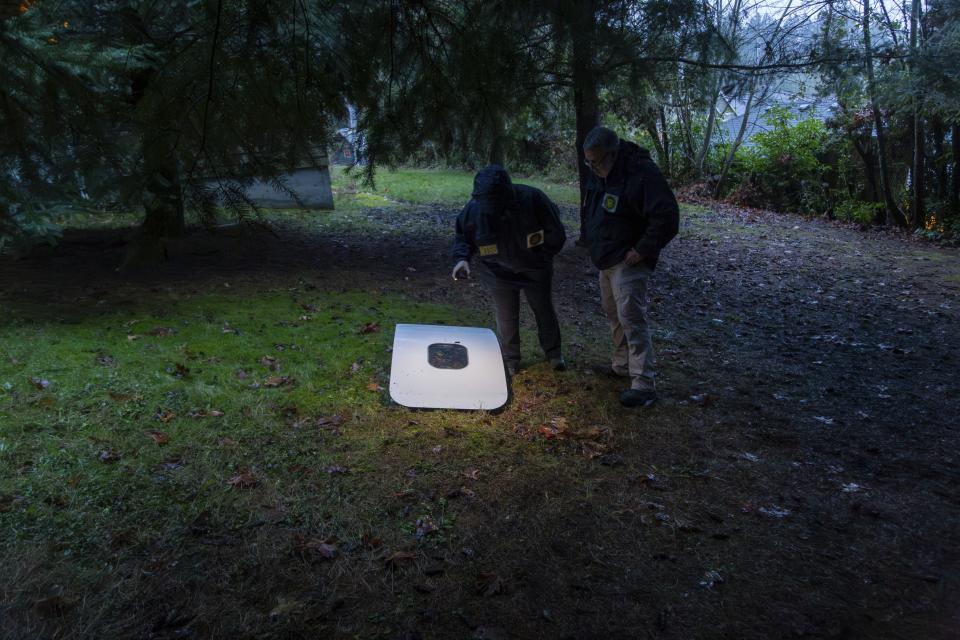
point(447, 356)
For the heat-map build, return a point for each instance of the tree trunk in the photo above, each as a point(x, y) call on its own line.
point(162, 202)
point(869, 170)
point(917, 182)
point(732, 152)
point(917, 173)
point(689, 152)
point(665, 137)
point(708, 134)
point(651, 127)
point(941, 163)
point(893, 215)
point(955, 147)
point(586, 96)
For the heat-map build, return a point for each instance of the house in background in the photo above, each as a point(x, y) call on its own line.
point(803, 108)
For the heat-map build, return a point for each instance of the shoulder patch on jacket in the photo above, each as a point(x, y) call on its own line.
point(488, 250)
point(535, 239)
point(610, 202)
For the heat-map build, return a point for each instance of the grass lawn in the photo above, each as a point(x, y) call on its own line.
point(445, 187)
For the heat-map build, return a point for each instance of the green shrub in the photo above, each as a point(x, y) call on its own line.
point(784, 164)
point(857, 211)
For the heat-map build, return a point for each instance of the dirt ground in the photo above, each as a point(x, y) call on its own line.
point(798, 479)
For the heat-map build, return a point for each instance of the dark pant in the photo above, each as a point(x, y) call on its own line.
point(506, 302)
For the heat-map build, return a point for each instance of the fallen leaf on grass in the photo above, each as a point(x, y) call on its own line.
point(355, 367)
point(241, 374)
point(159, 437)
point(271, 363)
point(108, 455)
point(309, 307)
point(370, 327)
point(328, 422)
point(133, 337)
point(369, 541)
point(39, 383)
point(277, 381)
point(462, 491)
point(593, 449)
point(591, 433)
point(400, 558)
point(548, 431)
point(559, 429)
point(243, 480)
point(164, 416)
point(473, 474)
point(373, 386)
point(161, 332)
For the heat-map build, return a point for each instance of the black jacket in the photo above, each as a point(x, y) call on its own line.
point(633, 207)
point(515, 229)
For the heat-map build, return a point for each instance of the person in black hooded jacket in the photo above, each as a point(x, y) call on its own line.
point(629, 215)
point(515, 230)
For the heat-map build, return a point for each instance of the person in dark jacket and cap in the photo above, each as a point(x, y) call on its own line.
point(515, 231)
point(629, 215)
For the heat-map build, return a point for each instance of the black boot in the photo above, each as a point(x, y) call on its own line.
point(638, 398)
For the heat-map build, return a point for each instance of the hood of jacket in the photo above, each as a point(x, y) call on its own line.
point(493, 189)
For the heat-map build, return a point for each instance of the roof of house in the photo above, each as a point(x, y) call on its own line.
point(802, 108)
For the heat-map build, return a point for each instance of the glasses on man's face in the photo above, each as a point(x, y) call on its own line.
point(594, 164)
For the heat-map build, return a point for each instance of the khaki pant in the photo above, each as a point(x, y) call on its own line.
point(623, 294)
